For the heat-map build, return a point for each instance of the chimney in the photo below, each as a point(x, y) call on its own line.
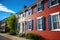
point(25, 6)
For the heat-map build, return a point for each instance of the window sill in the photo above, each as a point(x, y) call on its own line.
point(39, 30)
point(39, 11)
point(54, 5)
point(29, 29)
point(56, 30)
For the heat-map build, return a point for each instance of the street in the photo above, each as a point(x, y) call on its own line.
point(4, 38)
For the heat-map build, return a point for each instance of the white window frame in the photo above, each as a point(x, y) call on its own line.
point(56, 13)
point(41, 22)
point(28, 27)
point(54, 4)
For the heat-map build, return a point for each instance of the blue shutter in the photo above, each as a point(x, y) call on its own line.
point(36, 24)
point(58, 1)
point(48, 3)
point(49, 22)
point(23, 26)
point(26, 25)
point(31, 24)
point(43, 23)
point(42, 5)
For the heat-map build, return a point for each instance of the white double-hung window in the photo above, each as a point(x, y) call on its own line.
point(40, 24)
point(55, 21)
point(29, 24)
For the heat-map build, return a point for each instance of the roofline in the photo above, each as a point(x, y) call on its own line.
point(29, 7)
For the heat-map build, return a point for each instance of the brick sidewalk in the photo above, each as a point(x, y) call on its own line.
point(12, 37)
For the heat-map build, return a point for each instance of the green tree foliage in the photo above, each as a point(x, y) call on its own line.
point(11, 22)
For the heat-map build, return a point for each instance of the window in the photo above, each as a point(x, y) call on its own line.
point(52, 3)
point(29, 25)
point(24, 15)
point(40, 23)
point(30, 11)
point(55, 21)
point(18, 25)
point(18, 16)
point(40, 6)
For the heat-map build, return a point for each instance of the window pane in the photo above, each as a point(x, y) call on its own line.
point(55, 25)
point(59, 25)
point(39, 23)
point(55, 20)
point(29, 24)
point(53, 2)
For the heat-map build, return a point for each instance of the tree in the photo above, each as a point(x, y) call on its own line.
point(11, 22)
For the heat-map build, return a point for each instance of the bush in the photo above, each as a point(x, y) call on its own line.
point(2, 31)
point(32, 36)
point(12, 32)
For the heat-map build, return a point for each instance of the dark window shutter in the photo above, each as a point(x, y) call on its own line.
point(58, 1)
point(42, 5)
point(26, 25)
point(43, 23)
point(31, 24)
point(49, 22)
point(36, 24)
point(48, 2)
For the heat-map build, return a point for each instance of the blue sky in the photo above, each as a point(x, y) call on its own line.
point(12, 6)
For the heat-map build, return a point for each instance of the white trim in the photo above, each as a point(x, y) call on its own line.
point(55, 30)
point(29, 20)
point(55, 13)
point(39, 17)
point(39, 29)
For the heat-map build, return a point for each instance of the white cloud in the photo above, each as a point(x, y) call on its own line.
point(5, 9)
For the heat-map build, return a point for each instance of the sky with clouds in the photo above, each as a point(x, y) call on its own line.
point(12, 6)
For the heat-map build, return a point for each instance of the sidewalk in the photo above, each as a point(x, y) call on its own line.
point(12, 37)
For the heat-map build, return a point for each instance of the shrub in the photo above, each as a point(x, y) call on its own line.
point(12, 32)
point(2, 31)
point(32, 36)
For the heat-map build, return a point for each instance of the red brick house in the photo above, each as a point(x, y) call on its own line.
point(43, 18)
